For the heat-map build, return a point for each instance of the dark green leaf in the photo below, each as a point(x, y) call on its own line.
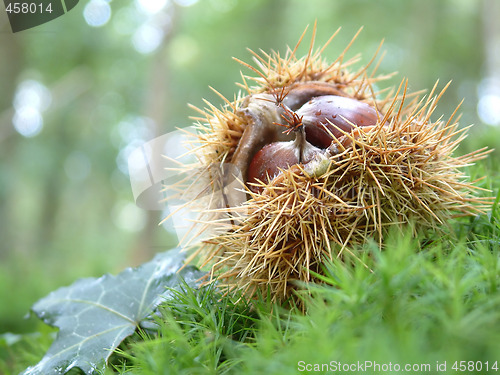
point(95, 315)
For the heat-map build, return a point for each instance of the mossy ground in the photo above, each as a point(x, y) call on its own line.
point(421, 301)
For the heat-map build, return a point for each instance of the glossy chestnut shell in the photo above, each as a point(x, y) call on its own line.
point(329, 115)
point(268, 161)
point(315, 121)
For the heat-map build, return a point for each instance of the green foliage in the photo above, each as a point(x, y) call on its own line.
point(104, 93)
point(57, 226)
point(419, 302)
point(95, 315)
point(199, 333)
point(411, 305)
point(17, 351)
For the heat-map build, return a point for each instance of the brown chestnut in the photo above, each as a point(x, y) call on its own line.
point(327, 114)
point(268, 161)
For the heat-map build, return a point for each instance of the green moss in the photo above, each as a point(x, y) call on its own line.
point(419, 302)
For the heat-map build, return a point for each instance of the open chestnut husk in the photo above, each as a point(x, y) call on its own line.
point(327, 162)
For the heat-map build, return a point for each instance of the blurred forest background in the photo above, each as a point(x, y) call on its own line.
point(80, 92)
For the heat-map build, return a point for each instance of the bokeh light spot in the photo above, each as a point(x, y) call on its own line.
point(147, 38)
point(28, 121)
point(488, 109)
point(31, 93)
point(151, 6)
point(97, 13)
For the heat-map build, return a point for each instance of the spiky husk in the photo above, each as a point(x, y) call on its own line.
point(401, 170)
